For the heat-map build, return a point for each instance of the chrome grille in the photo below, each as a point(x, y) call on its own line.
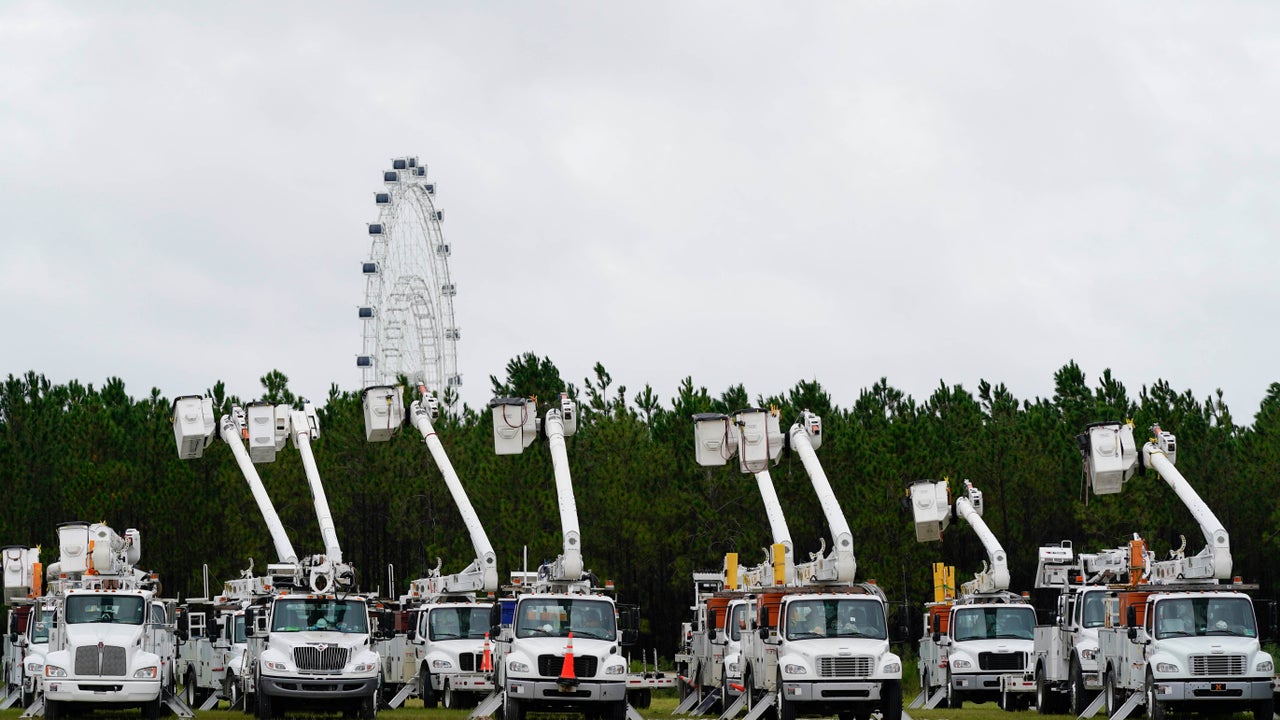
point(1217, 665)
point(313, 659)
point(860, 666)
point(1002, 661)
point(470, 662)
point(110, 661)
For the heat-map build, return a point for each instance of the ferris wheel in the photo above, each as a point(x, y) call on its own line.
point(407, 317)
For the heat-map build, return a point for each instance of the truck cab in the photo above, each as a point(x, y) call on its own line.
point(1066, 652)
point(312, 651)
point(983, 652)
point(531, 652)
point(823, 653)
point(448, 645)
point(108, 648)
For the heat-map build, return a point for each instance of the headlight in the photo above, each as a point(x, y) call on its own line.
point(1089, 653)
point(517, 666)
point(1265, 666)
point(1166, 668)
point(273, 665)
point(54, 671)
point(441, 664)
point(34, 668)
point(147, 672)
point(615, 670)
point(892, 668)
point(793, 669)
point(961, 664)
point(364, 667)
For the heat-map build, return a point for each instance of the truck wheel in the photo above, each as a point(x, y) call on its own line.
point(617, 711)
point(892, 709)
point(52, 710)
point(424, 688)
point(1155, 706)
point(1111, 693)
point(264, 709)
point(1042, 693)
point(369, 706)
point(511, 709)
point(954, 700)
point(786, 708)
point(1080, 697)
point(1264, 709)
point(452, 700)
point(152, 708)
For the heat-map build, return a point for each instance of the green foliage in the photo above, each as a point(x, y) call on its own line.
point(649, 515)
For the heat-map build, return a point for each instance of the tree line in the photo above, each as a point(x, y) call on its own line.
point(649, 515)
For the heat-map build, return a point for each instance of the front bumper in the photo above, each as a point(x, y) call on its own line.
point(101, 690)
point(586, 691)
point(320, 688)
point(1213, 691)
point(831, 691)
point(990, 682)
point(463, 682)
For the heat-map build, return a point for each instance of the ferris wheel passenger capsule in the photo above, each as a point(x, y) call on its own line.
point(375, 228)
point(382, 198)
point(390, 176)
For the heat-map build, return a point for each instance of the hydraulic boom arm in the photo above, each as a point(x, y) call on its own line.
point(840, 566)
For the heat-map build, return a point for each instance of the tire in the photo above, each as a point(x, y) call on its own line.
point(450, 699)
point(1044, 705)
point(786, 708)
point(53, 710)
point(369, 706)
point(189, 689)
point(1155, 706)
point(152, 709)
point(424, 688)
point(892, 700)
point(1264, 709)
point(263, 708)
point(231, 689)
point(954, 700)
point(1111, 693)
point(1079, 697)
point(512, 709)
point(616, 711)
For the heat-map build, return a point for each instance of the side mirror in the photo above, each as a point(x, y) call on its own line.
point(629, 637)
point(494, 632)
point(764, 632)
point(386, 623)
point(901, 634)
point(1131, 618)
point(1133, 634)
point(412, 634)
point(183, 628)
point(13, 638)
point(711, 633)
point(250, 614)
point(937, 637)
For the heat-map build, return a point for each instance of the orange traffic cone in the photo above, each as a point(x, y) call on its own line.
point(566, 671)
point(486, 665)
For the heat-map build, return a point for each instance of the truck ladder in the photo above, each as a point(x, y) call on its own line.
point(35, 709)
point(689, 701)
point(765, 703)
point(705, 703)
point(487, 706)
point(211, 702)
point(404, 693)
point(633, 714)
point(179, 708)
point(1127, 707)
point(936, 699)
point(735, 707)
point(8, 700)
point(1094, 707)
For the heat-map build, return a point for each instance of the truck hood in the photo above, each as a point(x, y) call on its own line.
point(83, 634)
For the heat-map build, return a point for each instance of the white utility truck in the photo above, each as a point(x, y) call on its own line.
point(111, 642)
point(442, 656)
point(26, 640)
point(1066, 672)
point(1179, 640)
point(309, 636)
point(820, 647)
point(977, 646)
point(710, 665)
point(561, 648)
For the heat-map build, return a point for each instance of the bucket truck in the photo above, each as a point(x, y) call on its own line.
point(442, 655)
point(559, 642)
point(111, 641)
point(822, 645)
point(308, 635)
point(710, 666)
point(1177, 639)
point(26, 640)
point(976, 646)
point(1065, 659)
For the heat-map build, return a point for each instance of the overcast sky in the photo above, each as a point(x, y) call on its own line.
point(734, 191)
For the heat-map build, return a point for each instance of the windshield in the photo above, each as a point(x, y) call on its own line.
point(835, 617)
point(1185, 617)
point(736, 620)
point(1093, 614)
point(456, 623)
point(327, 614)
point(990, 622)
point(117, 609)
point(557, 617)
point(40, 629)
